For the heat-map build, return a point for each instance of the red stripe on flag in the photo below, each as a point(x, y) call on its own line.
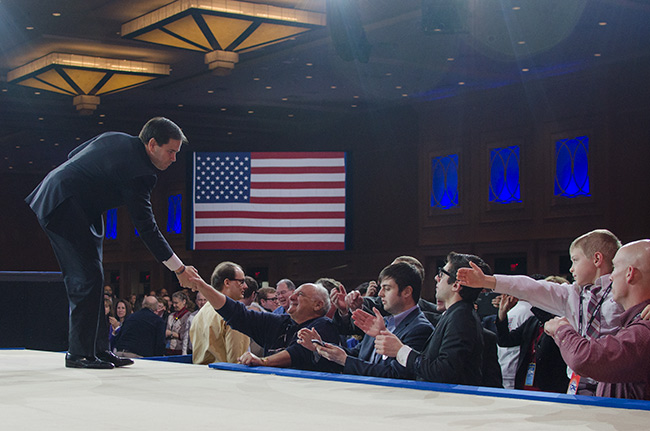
point(298, 200)
point(298, 170)
point(270, 215)
point(298, 155)
point(269, 230)
point(254, 245)
point(301, 185)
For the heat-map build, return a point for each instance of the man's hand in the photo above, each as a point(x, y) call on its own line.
point(372, 289)
point(474, 277)
point(552, 325)
point(354, 300)
point(387, 343)
point(251, 360)
point(332, 353)
point(306, 335)
point(645, 314)
point(505, 304)
point(337, 297)
point(371, 325)
point(187, 277)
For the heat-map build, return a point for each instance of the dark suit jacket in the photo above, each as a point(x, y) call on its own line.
point(550, 368)
point(454, 352)
point(277, 332)
point(414, 330)
point(143, 333)
point(108, 171)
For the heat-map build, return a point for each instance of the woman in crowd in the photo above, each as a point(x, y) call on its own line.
point(176, 323)
point(121, 310)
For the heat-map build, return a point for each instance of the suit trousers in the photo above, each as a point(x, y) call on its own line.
point(78, 245)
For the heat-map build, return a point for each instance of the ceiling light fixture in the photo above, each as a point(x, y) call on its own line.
point(222, 29)
point(85, 77)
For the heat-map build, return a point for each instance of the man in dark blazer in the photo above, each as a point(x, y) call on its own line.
point(110, 170)
point(143, 333)
point(454, 353)
point(400, 285)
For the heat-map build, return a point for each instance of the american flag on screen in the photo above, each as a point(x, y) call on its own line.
point(269, 201)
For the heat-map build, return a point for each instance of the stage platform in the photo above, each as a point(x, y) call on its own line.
point(38, 392)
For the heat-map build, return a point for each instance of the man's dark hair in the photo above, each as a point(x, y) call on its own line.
point(251, 286)
point(459, 260)
point(162, 130)
point(404, 274)
point(221, 272)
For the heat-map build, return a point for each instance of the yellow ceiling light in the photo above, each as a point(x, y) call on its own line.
point(85, 77)
point(221, 28)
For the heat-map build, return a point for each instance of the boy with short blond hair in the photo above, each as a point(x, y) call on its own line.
point(587, 303)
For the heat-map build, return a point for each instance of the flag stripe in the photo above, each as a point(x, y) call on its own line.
point(259, 245)
point(299, 200)
point(302, 185)
point(318, 222)
point(298, 155)
point(298, 170)
point(270, 230)
point(297, 193)
point(272, 215)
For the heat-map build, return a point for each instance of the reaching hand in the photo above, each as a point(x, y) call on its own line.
point(475, 277)
point(371, 325)
point(372, 288)
point(337, 297)
point(332, 353)
point(552, 325)
point(506, 304)
point(250, 359)
point(188, 277)
point(645, 314)
point(354, 300)
point(387, 343)
point(306, 335)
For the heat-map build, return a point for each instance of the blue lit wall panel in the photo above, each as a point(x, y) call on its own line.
point(111, 224)
point(444, 187)
point(174, 214)
point(504, 175)
point(572, 167)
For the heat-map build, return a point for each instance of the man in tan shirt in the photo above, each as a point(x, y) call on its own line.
point(212, 339)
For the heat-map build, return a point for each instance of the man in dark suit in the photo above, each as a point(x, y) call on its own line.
point(108, 171)
point(143, 333)
point(400, 285)
point(454, 353)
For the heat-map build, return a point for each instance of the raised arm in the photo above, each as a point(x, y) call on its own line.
point(214, 297)
point(474, 277)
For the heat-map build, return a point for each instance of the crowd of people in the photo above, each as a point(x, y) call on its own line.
point(588, 337)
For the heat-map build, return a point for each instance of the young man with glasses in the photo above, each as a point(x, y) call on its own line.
point(454, 353)
point(268, 299)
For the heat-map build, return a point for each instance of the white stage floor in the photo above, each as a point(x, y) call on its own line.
point(38, 392)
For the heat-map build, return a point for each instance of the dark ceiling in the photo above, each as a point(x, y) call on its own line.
point(304, 80)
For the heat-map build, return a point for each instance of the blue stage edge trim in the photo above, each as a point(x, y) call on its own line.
point(442, 387)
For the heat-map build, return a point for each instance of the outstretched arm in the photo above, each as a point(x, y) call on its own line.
point(214, 297)
point(474, 277)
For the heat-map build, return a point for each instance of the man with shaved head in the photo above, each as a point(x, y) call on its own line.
point(618, 362)
point(277, 333)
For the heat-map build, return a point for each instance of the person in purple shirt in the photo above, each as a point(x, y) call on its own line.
point(618, 362)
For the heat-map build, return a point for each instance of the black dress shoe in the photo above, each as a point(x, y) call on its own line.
point(76, 361)
point(118, 361)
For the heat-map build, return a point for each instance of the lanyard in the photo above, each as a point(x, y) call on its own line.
point(593, 315)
